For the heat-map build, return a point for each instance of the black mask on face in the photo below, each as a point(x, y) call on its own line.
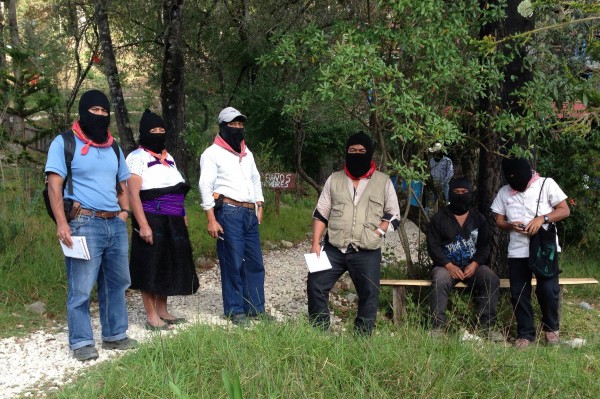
point(232, 136)
point(94, 126)
point(155, 142)
point(359, 164)
point(517, 173)
point(437, 157)
point(459, 203)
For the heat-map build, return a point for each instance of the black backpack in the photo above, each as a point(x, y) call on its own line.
point(69, 147)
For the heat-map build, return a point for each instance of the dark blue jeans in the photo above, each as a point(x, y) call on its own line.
point(485, 284)
point(241, 261)
point(364, 268)
point(548, 296)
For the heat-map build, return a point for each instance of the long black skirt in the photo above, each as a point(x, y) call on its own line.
point(166, 267)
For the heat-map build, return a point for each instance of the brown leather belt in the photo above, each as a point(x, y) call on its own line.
point(230, 201)
point(98, 214)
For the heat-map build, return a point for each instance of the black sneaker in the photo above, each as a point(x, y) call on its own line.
point(240, 320)
point(85, 353)
point(121, 344)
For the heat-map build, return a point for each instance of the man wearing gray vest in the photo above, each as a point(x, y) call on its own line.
point(357, 206)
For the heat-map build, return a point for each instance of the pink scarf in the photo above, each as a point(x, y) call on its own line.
point(81, 136)
point(222, 143)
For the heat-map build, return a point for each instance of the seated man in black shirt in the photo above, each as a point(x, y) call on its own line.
point(458, 242)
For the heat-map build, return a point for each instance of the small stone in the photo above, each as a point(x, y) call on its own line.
point(585, 305)
point(38, 307)
point(286, 244)
point(351, 297)
point(575, 343)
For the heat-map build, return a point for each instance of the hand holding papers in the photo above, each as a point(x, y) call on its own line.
point(79, 249)
point(317, 264)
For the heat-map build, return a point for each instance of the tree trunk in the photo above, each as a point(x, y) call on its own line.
point(299, 136)
point(490, 161)
point(3, 83)
point(172, 84)
point(112, 75)
point(18, 124)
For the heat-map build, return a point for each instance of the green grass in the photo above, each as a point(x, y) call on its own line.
point(292, 360)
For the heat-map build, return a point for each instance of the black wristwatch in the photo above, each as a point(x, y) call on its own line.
point(129, 213)
point(546, 219)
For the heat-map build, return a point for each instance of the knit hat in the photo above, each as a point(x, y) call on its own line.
point(149, 121)
point(93, 98)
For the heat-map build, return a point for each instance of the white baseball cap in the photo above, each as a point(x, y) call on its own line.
point(436, 147)
point(228, 114)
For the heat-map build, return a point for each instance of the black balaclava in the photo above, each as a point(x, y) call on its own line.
point(155, 142)
point(359, 164)
point(94, 126)
point(517, 173)
point(233, 135)
point(459, 203)
point(438, 156)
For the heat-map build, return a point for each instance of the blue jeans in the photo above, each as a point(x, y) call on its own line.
point(547, 292)
point(364, 268)
point(241, 261)
point(108, 266)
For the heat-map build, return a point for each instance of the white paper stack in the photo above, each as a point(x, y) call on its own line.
point(79, 250)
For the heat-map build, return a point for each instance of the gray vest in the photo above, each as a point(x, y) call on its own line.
point(356, 224)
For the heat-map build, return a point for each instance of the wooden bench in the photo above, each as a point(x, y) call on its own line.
point(399, 290)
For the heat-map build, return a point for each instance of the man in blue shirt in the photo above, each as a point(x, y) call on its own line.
point(100, 208)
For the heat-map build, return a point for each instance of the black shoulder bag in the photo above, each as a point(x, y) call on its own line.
point(543, 252)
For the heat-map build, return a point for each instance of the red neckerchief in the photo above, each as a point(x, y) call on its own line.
point(531, 181)
point(365, 176)
point(87, 142)
point(161, 158)
point(222, 143)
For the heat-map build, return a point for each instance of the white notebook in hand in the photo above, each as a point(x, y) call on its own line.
point(79, 250)
point(317, 264)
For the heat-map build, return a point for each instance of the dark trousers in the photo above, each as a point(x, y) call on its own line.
point(485, 284)
point(548, 295)
point(364, 268)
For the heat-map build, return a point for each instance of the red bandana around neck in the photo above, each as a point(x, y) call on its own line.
point(365, 176)
point(87, 142)
point(531, 181)
point(161, 157)
point(222, 143)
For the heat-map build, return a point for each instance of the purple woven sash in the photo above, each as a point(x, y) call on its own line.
point(168, 204)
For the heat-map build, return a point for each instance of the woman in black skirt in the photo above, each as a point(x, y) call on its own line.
point(161, 263)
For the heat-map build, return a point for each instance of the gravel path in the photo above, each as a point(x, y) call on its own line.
point(41, 362)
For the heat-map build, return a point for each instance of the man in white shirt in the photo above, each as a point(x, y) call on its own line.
point(233, 200)
point(525, 205)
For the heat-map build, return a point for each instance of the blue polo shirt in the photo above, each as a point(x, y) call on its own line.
point(93, 174)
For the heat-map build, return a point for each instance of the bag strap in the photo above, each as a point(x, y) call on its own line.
point(69, 149)
point(540, 197)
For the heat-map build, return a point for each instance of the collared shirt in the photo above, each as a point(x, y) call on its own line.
point(391, 207)
point(226, 173)
point(521, 207)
